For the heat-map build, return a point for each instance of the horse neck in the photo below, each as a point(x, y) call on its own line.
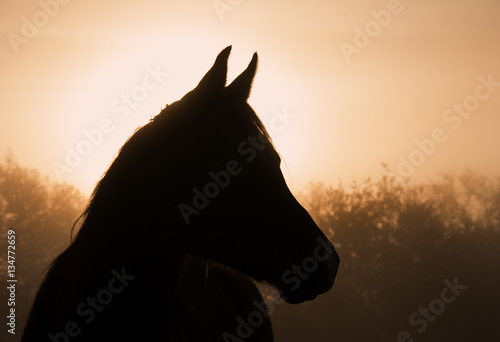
point(93, 259)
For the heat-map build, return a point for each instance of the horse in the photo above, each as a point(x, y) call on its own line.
point(193, 210)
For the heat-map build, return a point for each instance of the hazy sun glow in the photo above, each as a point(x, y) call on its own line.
point(339, 116)
point(121, 78)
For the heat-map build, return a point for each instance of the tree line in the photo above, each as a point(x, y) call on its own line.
point(419, 261)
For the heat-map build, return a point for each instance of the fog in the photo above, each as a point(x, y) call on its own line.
point(401, 246)
point(385, 114)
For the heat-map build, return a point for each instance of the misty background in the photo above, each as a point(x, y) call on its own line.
point(386, 114)
point(400, 243)
point(361, 81)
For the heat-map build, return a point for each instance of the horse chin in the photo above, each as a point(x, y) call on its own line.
point(298, 300)
point(299, 295)
point(312, 286)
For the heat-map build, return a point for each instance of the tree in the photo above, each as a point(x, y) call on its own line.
point(399, 243)
point(42, 214)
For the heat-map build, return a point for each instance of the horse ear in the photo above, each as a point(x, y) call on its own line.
point(242, 85)
point(215, 78)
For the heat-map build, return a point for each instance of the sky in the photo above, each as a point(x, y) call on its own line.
point(342, 86)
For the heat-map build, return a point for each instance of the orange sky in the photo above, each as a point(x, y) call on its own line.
point(358, 83)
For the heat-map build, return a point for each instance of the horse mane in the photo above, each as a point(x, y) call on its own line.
point(134, 142)
point(102, 185)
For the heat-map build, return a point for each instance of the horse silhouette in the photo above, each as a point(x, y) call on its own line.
point(192, 208)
